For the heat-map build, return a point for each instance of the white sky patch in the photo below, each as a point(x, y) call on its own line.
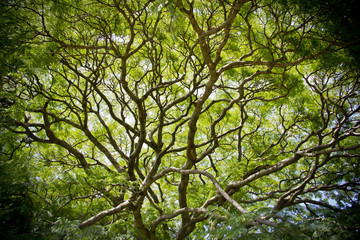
point(119, 39)
point(115, 38)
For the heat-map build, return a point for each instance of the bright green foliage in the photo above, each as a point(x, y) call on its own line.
point(182, 119)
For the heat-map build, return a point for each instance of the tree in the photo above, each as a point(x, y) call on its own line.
point(154, 119)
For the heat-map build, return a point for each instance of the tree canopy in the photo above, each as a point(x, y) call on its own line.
point(183, 119)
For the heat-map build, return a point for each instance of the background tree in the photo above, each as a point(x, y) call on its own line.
point(162, 119)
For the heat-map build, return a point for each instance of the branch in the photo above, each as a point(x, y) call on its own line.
point(174, 214)
point(101, 215)
point(323, 204)
point(208, 175)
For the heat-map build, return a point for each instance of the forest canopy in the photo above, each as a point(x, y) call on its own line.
point(222, 119)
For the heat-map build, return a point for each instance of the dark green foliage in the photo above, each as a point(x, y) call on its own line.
point(17, 209)
point(340, 19)
point(343, 225)
point(14, 35)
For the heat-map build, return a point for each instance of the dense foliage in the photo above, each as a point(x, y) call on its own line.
point(180, 119)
